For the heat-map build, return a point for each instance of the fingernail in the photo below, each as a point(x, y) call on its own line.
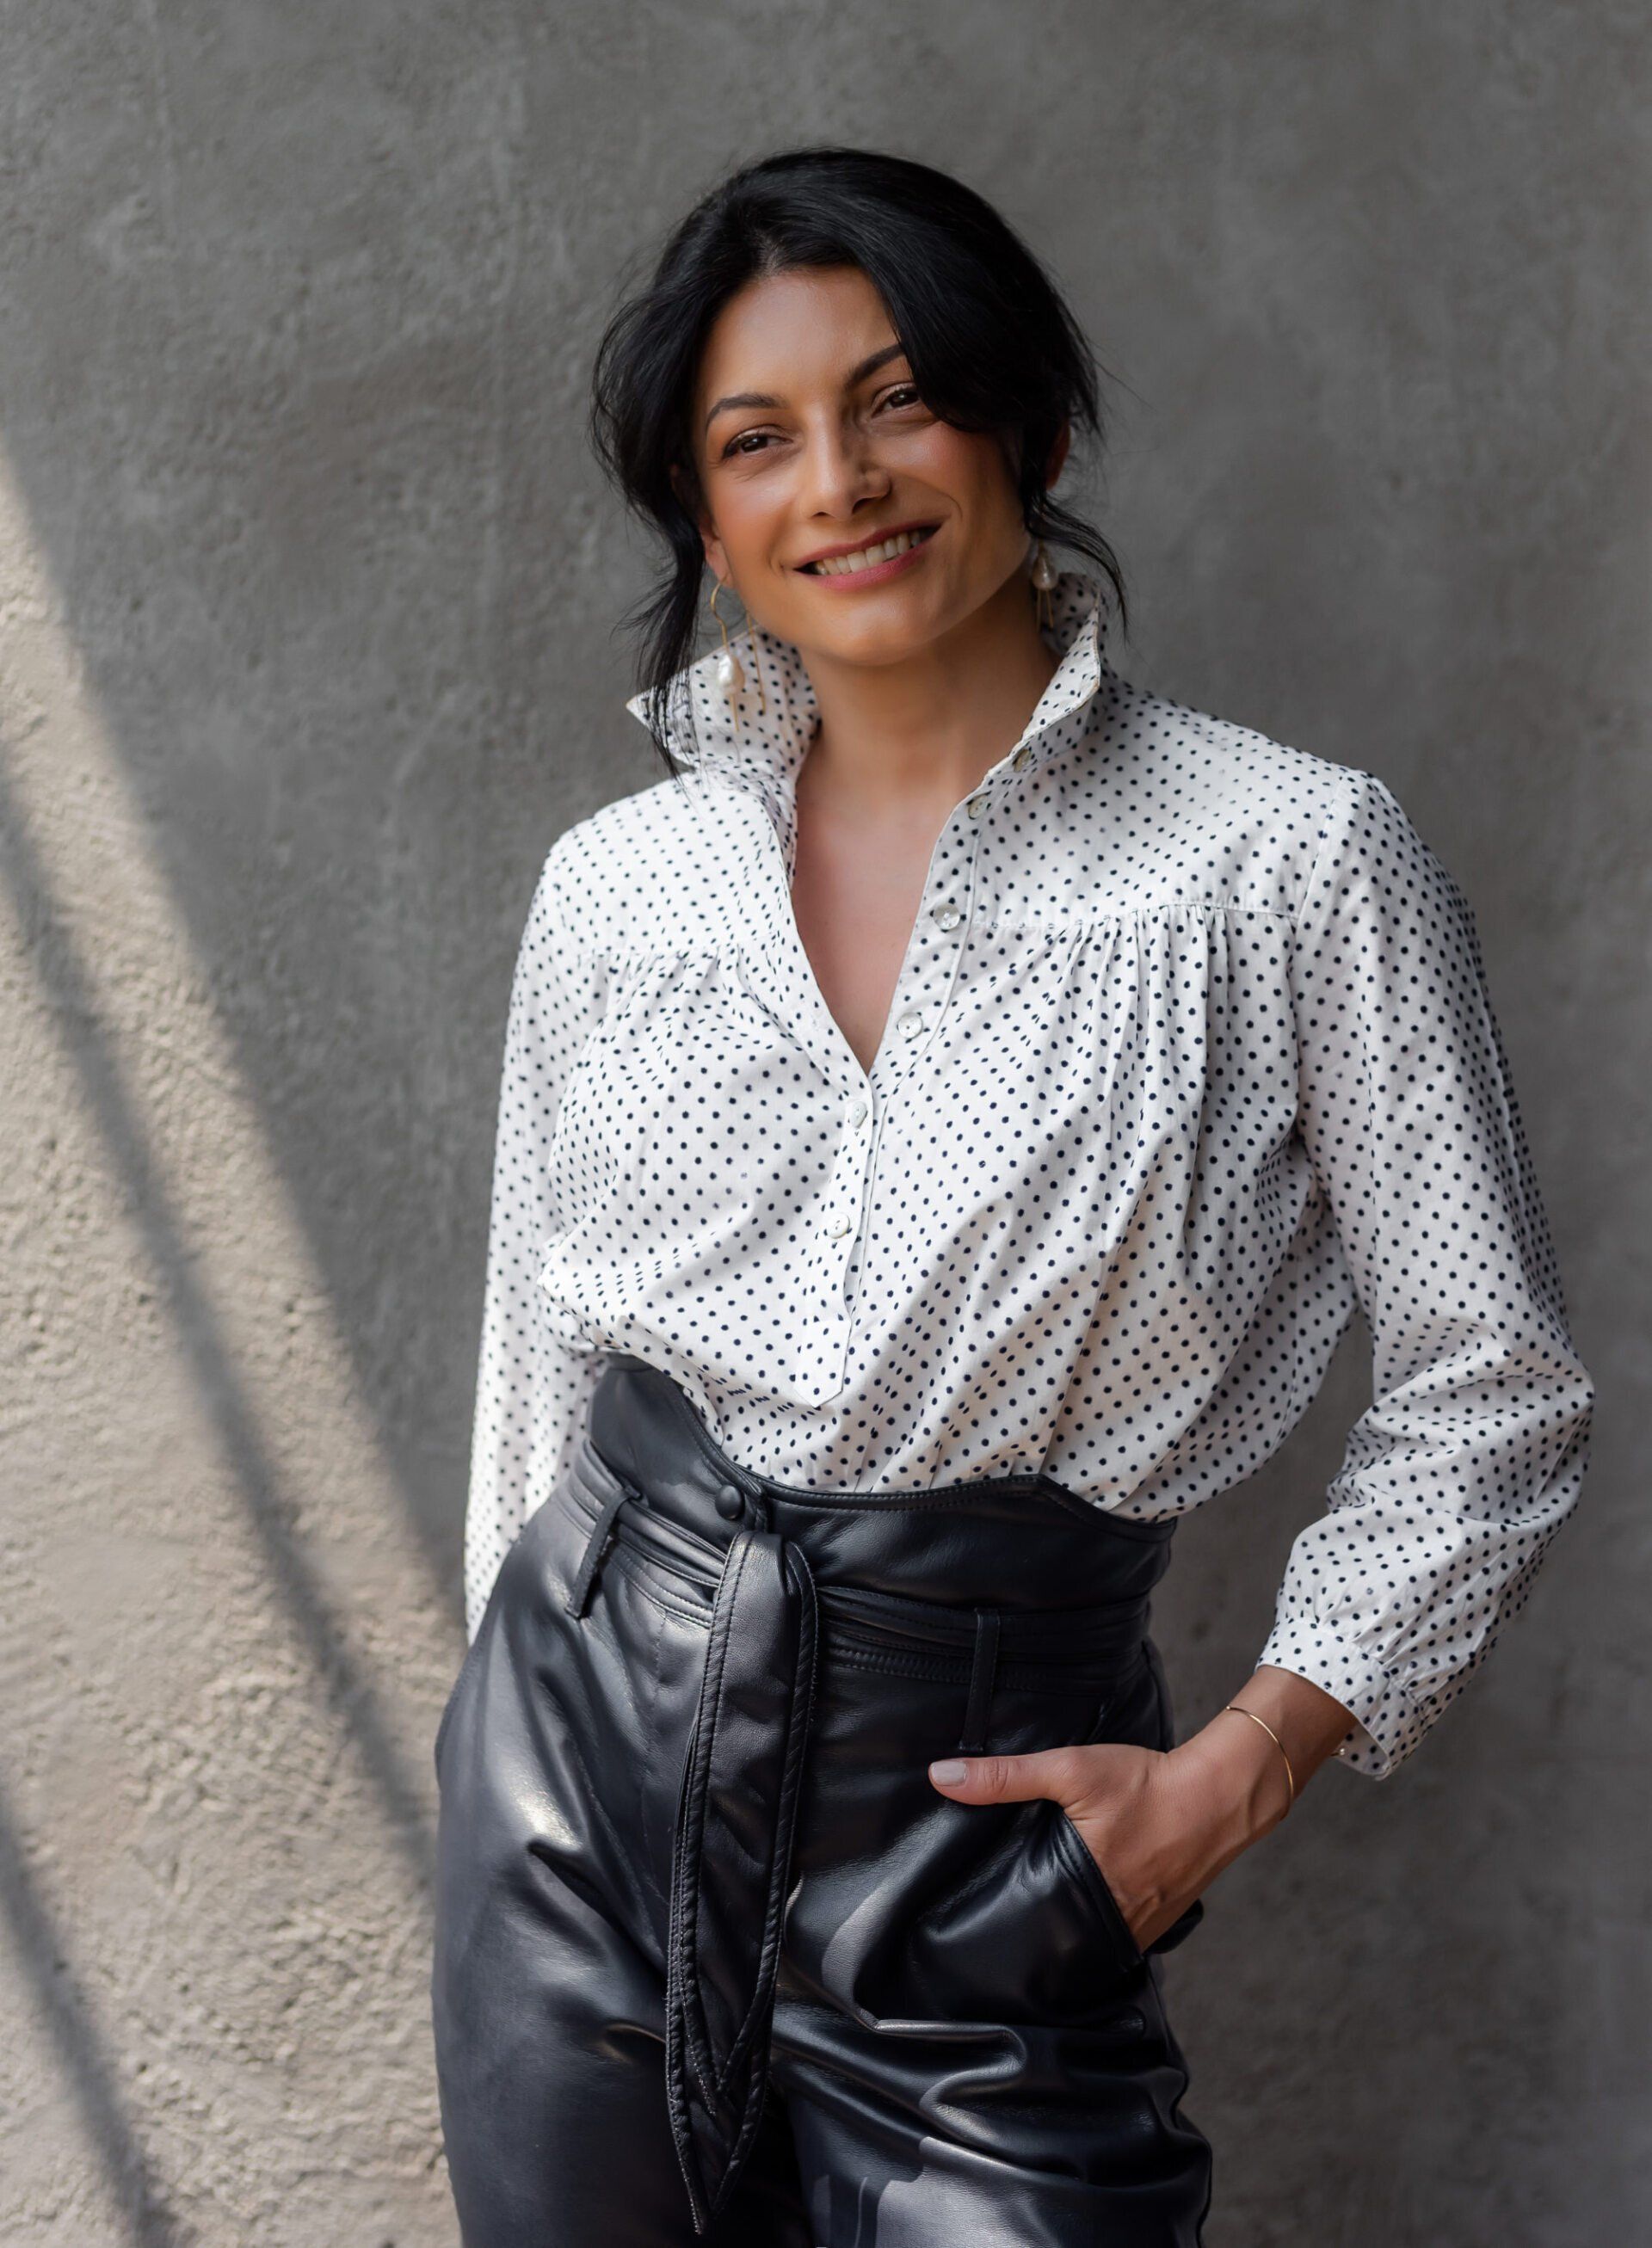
point(950, 1770)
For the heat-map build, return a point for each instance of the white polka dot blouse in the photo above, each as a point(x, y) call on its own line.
point(1191, 1056)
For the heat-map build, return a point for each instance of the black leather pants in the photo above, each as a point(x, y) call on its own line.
point(712, 1953)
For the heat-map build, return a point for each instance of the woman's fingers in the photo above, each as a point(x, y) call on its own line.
point(1072, 1776)
point(1142, 1841)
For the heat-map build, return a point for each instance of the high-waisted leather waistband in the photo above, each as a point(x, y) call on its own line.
point(1012, 1542)
point(998, 1569)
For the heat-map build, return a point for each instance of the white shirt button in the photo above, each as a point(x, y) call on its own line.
point(1023, 757)
point(946, 914)
point(838, 1228)
point(858, 1113)
point(976, 806)
point(910, 1026)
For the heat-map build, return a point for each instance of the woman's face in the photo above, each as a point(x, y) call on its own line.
point(811, 438)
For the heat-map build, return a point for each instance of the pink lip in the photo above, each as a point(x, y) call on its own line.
point(877, 573)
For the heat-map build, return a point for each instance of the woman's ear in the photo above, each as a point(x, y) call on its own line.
point(691, 506)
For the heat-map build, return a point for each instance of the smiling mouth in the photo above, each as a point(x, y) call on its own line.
point(866, 557)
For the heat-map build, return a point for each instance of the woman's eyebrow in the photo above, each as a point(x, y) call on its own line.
point(749, 398)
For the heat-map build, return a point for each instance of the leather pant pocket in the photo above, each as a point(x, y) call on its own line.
point(1030, 1933)
point(1093, 1883)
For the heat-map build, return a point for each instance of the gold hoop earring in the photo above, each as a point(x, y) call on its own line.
point(729, 670)
point(1044, 577)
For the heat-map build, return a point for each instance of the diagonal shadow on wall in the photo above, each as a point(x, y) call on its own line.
point(133, 2185)
point(339, 563)
point(349, 1695)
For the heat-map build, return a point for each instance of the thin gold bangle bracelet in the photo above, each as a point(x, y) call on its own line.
point(1278, 1743)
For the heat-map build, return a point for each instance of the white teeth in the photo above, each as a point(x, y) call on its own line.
point(865, 556)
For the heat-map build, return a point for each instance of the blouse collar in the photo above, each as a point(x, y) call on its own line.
point(742, 745)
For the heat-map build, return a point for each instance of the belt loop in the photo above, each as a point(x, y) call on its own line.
point(983, 1670)
point(596, 1546)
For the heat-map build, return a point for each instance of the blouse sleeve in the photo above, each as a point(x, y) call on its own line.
point(531, 1389)
point(1473, 1450)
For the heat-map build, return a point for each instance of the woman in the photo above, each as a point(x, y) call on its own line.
point(948, 1124)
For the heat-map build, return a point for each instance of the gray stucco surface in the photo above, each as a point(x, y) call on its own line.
point(307, 590)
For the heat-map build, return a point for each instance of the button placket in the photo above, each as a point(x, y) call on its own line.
point(929, 971)
point(852, 1155)
point(870, 1132)
point(928, 975)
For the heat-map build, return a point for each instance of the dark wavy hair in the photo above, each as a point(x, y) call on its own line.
point(989, 338)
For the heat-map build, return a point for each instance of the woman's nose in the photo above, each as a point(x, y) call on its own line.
point(840, 467)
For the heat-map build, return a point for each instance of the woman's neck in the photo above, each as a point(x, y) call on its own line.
point(923, 732)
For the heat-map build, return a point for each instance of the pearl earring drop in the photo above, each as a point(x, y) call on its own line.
point(728, 671)
point(1044, 577)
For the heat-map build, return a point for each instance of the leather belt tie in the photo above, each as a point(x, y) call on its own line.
point(737, 1807)
point(730, 1866)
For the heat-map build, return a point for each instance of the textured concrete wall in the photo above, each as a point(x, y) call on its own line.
point(306, 591)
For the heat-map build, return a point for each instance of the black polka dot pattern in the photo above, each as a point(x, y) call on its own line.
point(1191, 1056)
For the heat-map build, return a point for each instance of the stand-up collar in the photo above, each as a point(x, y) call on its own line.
point(739, 743)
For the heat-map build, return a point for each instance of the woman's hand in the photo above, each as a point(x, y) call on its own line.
point(1162, 1824)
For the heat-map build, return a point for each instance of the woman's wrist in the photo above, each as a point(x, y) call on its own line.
point(1242, 1763)
point(1240, 1780)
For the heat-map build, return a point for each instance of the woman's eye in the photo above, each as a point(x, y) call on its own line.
point(750, 443)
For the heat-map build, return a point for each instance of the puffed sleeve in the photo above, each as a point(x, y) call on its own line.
point(531, 1389)
point(1473, 1451)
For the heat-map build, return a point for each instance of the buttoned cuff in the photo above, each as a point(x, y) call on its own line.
point(1387, 1725)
